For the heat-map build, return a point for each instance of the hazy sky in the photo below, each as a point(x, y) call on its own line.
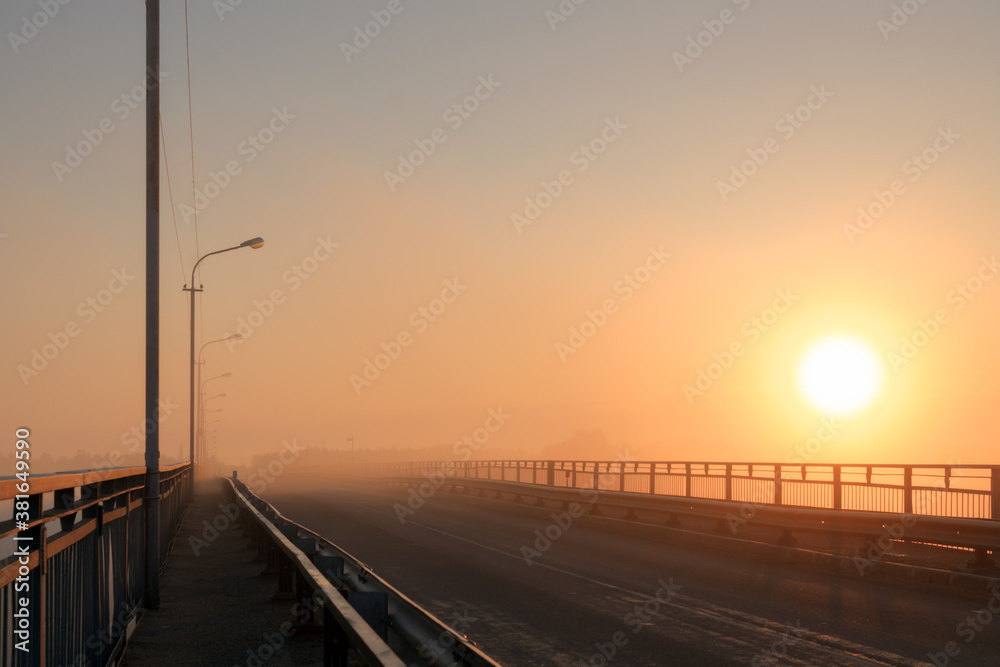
point(667, 171)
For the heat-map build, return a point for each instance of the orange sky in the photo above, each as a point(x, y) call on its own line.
point(593, 123)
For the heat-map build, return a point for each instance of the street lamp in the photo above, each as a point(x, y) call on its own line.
point(256, 242)
point(201, 420)
point(201, 363)
point(201, 393)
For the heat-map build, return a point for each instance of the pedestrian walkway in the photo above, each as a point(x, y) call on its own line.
point(215, 608)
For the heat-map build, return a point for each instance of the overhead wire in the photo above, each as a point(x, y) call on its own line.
point(194, 192)
point(170, 193)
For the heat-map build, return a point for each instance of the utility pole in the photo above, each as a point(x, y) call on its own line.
point(152, 495)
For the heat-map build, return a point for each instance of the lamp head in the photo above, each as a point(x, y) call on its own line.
point(254, 243)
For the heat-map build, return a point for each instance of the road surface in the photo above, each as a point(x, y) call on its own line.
point(590, 597)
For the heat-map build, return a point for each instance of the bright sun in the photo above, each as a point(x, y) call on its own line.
point(840, 375)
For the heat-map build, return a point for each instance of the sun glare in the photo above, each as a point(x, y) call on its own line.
point(840, 375)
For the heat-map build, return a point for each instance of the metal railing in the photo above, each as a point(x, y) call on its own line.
point(356, 608)
point(78, 562)
point(965, 491)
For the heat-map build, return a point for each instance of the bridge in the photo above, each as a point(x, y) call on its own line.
point(508, 562)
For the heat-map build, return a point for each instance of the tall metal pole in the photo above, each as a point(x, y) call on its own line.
point(193, 416)
point(152, 496)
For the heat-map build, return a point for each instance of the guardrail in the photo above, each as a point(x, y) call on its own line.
point(356, 608)
point(967, 491)
point(73, 586)
point(726, 517)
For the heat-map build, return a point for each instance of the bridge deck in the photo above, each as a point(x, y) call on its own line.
point(214, 608)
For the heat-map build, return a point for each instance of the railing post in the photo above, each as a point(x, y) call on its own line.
point(652, 478)
point(995, 493)
point(551, 475)
point(729, 481)
point(33, 540)
point(621, 476)
point(574, 474)
point(687, 480)
point(335, 641)
point(777, 485)
point(597, 475)
point(838, 497)
point(908, 490)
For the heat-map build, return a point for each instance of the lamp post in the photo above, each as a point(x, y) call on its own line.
point(201, 395)
point(201, 363)
point(255, 243)
point(201, 392)
point(151, 499)
point(201, 420)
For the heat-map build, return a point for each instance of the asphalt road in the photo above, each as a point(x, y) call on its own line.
point(590, 597)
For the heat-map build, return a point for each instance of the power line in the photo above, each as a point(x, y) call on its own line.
point(170, 191)
point(194, 193)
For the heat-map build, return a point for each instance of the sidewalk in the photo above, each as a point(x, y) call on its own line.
point(215, 609)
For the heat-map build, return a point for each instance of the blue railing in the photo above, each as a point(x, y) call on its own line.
point(72, 575)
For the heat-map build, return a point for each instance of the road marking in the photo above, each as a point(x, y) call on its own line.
point(851, 649)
